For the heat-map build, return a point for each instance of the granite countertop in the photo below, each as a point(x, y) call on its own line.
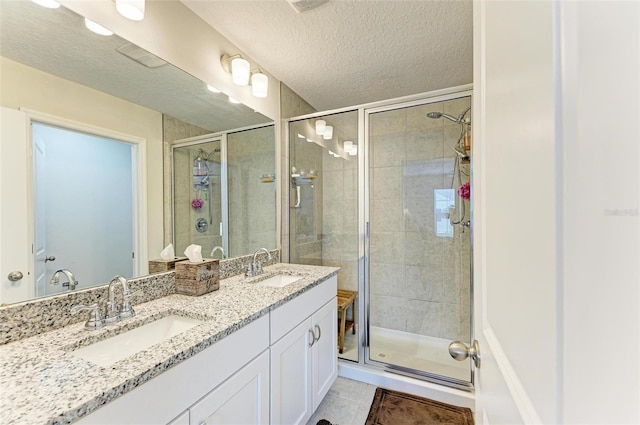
point(42, 383)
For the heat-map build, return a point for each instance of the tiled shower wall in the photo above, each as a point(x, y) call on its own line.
point(420, 281)
point(252, 203)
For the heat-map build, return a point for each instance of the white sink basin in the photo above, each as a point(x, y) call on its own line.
point(279, 280)
point(118, 347)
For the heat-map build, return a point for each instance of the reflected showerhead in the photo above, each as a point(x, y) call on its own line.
point(436, 115)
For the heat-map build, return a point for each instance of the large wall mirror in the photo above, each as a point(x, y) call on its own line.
point(141, 109)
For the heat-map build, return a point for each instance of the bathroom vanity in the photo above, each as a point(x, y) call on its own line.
point(259, 350)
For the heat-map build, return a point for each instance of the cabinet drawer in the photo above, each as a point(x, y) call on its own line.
point(290, 314)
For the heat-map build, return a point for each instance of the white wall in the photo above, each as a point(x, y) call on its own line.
point(600, 181)
point(22, 86)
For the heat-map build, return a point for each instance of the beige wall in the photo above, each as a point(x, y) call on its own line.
point(25, 87)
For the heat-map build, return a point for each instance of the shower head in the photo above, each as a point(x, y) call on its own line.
point(436, 115)
point(459, 120)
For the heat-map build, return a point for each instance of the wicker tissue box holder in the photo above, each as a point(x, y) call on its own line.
point(197, 278)
point(159, 265)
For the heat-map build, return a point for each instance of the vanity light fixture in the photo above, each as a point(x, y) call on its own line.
point(97, 28)
point(233, 100)
point(328, 133)
point(259, 84)
point(212, 89)
point(49, 4)
point(309, 140)
point(131, 9)
point(320, 127)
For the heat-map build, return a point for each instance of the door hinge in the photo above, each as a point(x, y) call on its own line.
point(133, 255)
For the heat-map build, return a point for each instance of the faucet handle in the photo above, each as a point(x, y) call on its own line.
point(95, 317)
point(127, 309)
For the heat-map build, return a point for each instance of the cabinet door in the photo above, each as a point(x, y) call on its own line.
point(324, 355)
point(183, 419)
point(242, 399)
point(291, 399)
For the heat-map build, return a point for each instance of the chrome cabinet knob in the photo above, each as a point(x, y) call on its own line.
point(15, 276)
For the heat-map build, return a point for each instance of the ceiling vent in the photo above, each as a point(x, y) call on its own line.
point(302, 6)
point(138, 54)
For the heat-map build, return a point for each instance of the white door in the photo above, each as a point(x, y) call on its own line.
point(242, 399)
point(40, 231)
point(324, 355)
point(291, 397)
point(556, 200)
point(15, 248)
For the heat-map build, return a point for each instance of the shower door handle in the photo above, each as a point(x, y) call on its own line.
point(459, 351)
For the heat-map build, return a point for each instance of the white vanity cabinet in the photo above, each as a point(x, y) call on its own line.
point(165, 398)
point(303, 353)
point(275, 370)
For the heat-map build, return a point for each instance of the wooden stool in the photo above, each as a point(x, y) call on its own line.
point(346, 299)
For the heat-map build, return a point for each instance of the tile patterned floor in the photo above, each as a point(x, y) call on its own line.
point(347, 403)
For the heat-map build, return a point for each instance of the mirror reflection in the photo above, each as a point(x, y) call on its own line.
point(51, 64)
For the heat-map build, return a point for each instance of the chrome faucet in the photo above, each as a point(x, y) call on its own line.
point(218, 248)
point(255, 268)
point(114, 314)
point(71, 282)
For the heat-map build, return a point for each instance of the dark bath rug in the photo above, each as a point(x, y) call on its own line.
point(395, 408)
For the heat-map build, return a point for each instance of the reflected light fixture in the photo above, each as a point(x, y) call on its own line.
point(49, 4)
point(212, 89)
point(259, 84)
point(131, 9)
point(97, 28)
point(328, 132)
point(232, 100)
point(300, 136)
point(320, 127)
point(350, 148)
point(309, 140)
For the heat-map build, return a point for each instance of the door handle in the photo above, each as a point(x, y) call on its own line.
point(319, 332)
point(459, 351)
point(15, 276)
point(49, 258)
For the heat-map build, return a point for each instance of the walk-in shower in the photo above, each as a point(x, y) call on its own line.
point(217, 181)
point(395, 216)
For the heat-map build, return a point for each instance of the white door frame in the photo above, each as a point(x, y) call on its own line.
point(139, 173)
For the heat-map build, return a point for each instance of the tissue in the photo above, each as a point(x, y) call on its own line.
point(194, 252)
point(167, 253)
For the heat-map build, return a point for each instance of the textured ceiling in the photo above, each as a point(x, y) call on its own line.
point(57, 42)
point(348, 52)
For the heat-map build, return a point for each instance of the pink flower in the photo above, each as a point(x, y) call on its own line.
point(196, 204)
point(465, 191)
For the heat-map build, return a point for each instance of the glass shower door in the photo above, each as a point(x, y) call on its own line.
point(419, 239)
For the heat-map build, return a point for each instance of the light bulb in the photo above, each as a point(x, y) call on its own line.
point(300, 136)
point(328, 133)
point(259, 84)
point(97, 28)
point(212, 89)
point(320, 126)
point(233, 100)
point(240, 71)
point(131, 9)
